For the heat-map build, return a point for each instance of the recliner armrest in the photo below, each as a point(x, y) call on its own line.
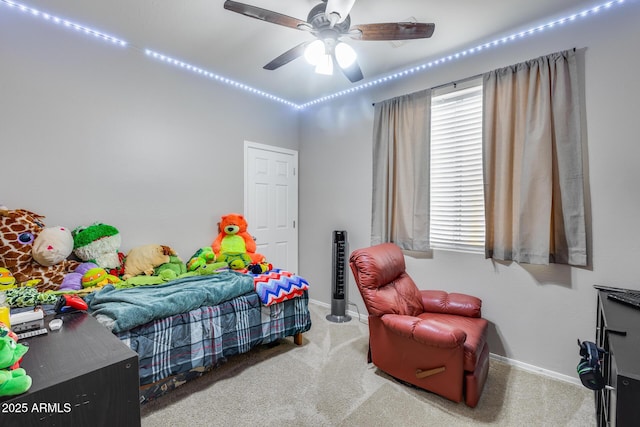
point(425, 331)
point(451, 303)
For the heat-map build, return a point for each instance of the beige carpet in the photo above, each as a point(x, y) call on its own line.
point(327, 382)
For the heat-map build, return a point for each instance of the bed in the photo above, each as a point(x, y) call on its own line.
point(186, 327)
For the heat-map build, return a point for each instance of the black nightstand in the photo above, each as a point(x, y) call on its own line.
point(82, 375)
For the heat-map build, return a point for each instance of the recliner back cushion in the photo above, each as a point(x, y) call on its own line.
point(383, 283)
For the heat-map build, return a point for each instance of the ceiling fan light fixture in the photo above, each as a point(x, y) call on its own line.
point(329, 21)
point(345, 55)
point(325, 65)
point(314, 52)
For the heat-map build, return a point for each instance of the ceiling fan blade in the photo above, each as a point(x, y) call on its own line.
point(353, 72)
point(265, 15)
point(287, 57)
point(392, 31)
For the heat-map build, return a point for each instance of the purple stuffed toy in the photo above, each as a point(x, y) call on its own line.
point(73, 281)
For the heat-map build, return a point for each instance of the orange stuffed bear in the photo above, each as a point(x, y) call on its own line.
point(233, 238)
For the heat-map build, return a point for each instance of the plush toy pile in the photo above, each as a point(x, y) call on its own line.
point(37, 262)
point(36, 267)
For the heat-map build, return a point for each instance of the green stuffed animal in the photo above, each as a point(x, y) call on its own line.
point(168, 275)
point(97, 277)
point(172, 269)
point(202, 257)
point(236, 261)
point(16, 381)
point(99, 243)
point(211, 268)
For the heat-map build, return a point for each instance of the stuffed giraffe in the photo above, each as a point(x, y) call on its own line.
point(19, 229)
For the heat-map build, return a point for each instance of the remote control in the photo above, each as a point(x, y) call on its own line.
point(33, 333)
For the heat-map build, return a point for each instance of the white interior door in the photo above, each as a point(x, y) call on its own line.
point(271, 202)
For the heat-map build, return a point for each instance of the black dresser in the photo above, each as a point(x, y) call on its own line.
point(83, 375)
point(618, 332)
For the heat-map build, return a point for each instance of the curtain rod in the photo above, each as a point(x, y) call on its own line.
point(457, 82)
point(454, 83)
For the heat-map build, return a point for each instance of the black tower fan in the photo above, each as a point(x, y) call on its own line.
point(339, 279)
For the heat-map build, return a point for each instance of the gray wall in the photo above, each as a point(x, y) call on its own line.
point(93, 132)
point(90, 132)
point(536, 312)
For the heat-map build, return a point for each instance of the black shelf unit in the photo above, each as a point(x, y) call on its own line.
point(618, 333)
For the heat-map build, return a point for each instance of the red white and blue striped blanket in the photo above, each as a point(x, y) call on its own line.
point(278, 285)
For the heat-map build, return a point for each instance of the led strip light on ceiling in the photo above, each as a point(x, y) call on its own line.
point(65, 23)
point(382, 80)
point(479, 48)
point(172, 61)
point(209, 74)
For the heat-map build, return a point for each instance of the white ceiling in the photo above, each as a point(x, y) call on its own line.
point(204, 34)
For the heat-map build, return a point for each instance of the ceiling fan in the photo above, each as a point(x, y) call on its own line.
point(329, 21)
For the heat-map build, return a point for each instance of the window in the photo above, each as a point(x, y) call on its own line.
point(457, 197)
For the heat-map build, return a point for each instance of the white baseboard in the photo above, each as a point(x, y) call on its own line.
point(536, 370)
point(362, 316)
point(524, 366)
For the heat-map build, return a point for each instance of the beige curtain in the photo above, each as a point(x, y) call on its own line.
point(400, 211)
point(534, 187)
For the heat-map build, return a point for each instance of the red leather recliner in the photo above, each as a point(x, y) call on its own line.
point(432, 339)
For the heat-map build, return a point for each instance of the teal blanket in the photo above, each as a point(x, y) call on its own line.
point(131, 307)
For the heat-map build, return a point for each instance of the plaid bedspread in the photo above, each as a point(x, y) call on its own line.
point(204, 337)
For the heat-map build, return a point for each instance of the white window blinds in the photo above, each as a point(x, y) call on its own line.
point(457, 199)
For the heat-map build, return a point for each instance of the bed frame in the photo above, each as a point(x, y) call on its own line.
point(182, 347)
